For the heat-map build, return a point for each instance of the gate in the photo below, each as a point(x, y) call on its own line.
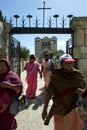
point(69, 46)
point(15, 45)
point(69, 50)
point(15, 55)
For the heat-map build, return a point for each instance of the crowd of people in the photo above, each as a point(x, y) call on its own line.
point(62, 85)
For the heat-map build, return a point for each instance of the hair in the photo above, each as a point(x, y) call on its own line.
point(32, 56)
point(7, 63)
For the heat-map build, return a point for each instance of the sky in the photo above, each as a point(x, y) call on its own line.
point(78, 8)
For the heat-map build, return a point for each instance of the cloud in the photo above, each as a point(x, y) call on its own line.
point(61, 45)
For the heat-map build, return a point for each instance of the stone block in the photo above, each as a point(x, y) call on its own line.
point(85, 37)
point(79, 38)
point(80, 52)
point(82, 64)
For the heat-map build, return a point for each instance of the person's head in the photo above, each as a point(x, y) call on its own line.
point(66, 61)
point(47, 56)
point(32, 58)
point(51, 55)
point(4, 66)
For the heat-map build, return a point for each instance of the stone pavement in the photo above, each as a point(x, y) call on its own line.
point(30, 119)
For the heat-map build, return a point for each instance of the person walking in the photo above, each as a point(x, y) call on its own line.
point(52, 60)
point(10, 84)
point(64, 87)
point(32, 69)
point(47, 67)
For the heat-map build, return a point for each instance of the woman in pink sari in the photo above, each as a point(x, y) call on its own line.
point(32, 68)
point(10, 84)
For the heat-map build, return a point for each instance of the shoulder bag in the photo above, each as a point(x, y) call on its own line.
point(18, 104)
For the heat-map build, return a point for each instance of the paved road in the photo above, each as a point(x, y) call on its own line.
point(30, 119)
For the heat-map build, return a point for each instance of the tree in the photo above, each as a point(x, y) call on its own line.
point(2, 19)
point(1, 16)
point(57, 54)
point(24, 53)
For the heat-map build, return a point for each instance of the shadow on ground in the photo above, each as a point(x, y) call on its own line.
point(38, 101)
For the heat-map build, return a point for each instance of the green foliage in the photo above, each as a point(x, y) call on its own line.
point(1, 16)
point(2, 19)
point(57, 54)
point(24, 53)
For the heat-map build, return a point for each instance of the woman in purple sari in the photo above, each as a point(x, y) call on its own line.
point(10, 84)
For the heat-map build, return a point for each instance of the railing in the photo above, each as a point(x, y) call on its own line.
point(15, 55)
point(69, 47)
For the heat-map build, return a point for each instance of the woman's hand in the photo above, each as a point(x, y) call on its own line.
point(45, 118)
point(80, 91)
point(44, 114)
point(5, 84)
point(40, 75)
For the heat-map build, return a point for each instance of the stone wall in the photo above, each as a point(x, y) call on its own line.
point(79, 25)
point(4, 40)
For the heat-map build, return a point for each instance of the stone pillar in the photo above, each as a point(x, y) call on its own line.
point(4, 40)
point(79, 25)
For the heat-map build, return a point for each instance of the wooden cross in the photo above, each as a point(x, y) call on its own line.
point(43, 12)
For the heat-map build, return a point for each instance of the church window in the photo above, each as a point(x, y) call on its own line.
point(37, 42)
point(53, 41)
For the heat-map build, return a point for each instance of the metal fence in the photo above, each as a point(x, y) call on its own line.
point(69, 46)
point(15, 55)
point(69, 50)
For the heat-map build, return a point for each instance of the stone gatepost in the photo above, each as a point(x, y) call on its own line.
point(79, 25)
point(4, 39)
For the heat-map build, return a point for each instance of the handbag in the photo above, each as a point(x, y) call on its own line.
point(18, 104)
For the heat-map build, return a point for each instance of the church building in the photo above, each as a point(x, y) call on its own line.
point(45, 45)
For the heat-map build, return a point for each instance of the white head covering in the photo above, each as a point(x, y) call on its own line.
point(66, 58)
